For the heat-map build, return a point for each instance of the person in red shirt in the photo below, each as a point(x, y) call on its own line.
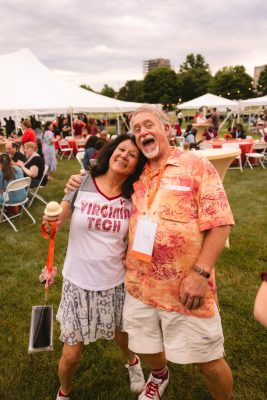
point(28, 133)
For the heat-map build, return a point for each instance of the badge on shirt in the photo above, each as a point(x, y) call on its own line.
point(144, 240)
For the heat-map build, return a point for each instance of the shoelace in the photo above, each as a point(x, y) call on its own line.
point(152, 388)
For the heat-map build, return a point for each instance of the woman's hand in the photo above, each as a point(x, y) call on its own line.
point(47, 223)
point(20, 163)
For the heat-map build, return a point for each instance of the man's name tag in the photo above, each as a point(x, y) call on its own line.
point(144, 240)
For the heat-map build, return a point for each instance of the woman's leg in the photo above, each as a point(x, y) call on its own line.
point(67, 365)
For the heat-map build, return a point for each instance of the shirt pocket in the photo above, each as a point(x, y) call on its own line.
point(175, 204)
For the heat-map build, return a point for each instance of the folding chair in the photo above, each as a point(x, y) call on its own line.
point(64, 149)
point(18, 184)
point(238, 158)
point(80, 144)
point(261, 157)
point(80, 157)
point(34, 191)
point(204, 146)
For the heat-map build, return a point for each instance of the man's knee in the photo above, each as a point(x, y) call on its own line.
point(214, 369)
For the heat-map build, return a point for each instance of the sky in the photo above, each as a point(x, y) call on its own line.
point(105, 42)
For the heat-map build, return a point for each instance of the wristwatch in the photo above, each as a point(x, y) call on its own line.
point(264, 276)
point(200, 271)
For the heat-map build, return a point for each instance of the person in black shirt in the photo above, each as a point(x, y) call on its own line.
point(34, 165)
point(14, 153)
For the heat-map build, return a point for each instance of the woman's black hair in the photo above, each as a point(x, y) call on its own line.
point(7, 169)
point(91, 141)
point(99, 144)
point(47, 124)
point(104, 155)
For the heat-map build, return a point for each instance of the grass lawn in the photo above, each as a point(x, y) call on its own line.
point(101, 374)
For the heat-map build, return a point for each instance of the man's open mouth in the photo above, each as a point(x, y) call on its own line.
point(147, 141)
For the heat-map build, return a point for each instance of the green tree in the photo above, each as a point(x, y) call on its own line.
point(86, 87)
point(194, 77)
point(161, 85)
point(132, 91)
point(194, 62)
point(108, 91)
point(232, 83)
point(262, 82)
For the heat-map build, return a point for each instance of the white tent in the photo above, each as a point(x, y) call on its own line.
point(257, 102)
point(208, 100)
point(27, 87)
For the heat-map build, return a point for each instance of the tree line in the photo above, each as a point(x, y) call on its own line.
point(194, 78)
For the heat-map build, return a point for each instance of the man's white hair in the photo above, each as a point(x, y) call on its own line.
point(157, 112)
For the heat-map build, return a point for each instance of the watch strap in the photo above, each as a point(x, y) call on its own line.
point(201, 271)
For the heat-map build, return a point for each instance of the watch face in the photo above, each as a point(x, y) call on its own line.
point(264, 276)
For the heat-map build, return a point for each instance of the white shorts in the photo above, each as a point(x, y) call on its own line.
point(185, 339)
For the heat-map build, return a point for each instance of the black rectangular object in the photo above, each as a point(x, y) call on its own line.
point(41, 328)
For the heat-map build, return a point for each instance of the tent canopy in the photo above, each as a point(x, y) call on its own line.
point(27, 87)
point(258, 101)
point(208, 100)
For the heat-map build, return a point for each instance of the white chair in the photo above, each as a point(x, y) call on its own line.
point(260, 157)
point(204, 146)
point(34, 191)
point(64, 149)
point(18, 184)
point(80, 157)
point(261, 132)
point(80, 144)
point(238, 158)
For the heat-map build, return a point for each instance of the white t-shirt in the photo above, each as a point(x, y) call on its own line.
point(97, 239)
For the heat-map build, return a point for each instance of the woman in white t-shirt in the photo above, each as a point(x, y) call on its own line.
point(93, 290)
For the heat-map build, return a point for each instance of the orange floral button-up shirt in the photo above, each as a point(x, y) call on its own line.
point(190, 200)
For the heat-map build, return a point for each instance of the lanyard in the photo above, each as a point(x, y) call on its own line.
point(50, 270)
point(152, 193)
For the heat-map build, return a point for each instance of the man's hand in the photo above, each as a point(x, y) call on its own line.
point(193, 290)
point(74, 182)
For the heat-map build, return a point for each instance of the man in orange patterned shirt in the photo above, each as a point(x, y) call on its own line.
point(180, 221)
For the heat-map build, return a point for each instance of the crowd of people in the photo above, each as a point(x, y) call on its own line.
point(33, 146)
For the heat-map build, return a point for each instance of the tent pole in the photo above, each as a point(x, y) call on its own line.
point(71, 121)
point(118, 125)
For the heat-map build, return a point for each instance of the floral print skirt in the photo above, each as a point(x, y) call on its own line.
point(87, 315)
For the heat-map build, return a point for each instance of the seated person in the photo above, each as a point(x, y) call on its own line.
point(78, 127)
point(65, 128)
point(9, 173)
point(210, 133)
point(238, 132)
point(90, 151)
point(34, 165)
point(104, 136)
point(13, 152)
point(190, 138)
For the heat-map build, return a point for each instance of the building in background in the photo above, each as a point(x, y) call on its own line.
point(257, 72)
point(149, 65)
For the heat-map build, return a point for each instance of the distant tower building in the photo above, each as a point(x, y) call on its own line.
point(257, 72)
point(149, 65)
